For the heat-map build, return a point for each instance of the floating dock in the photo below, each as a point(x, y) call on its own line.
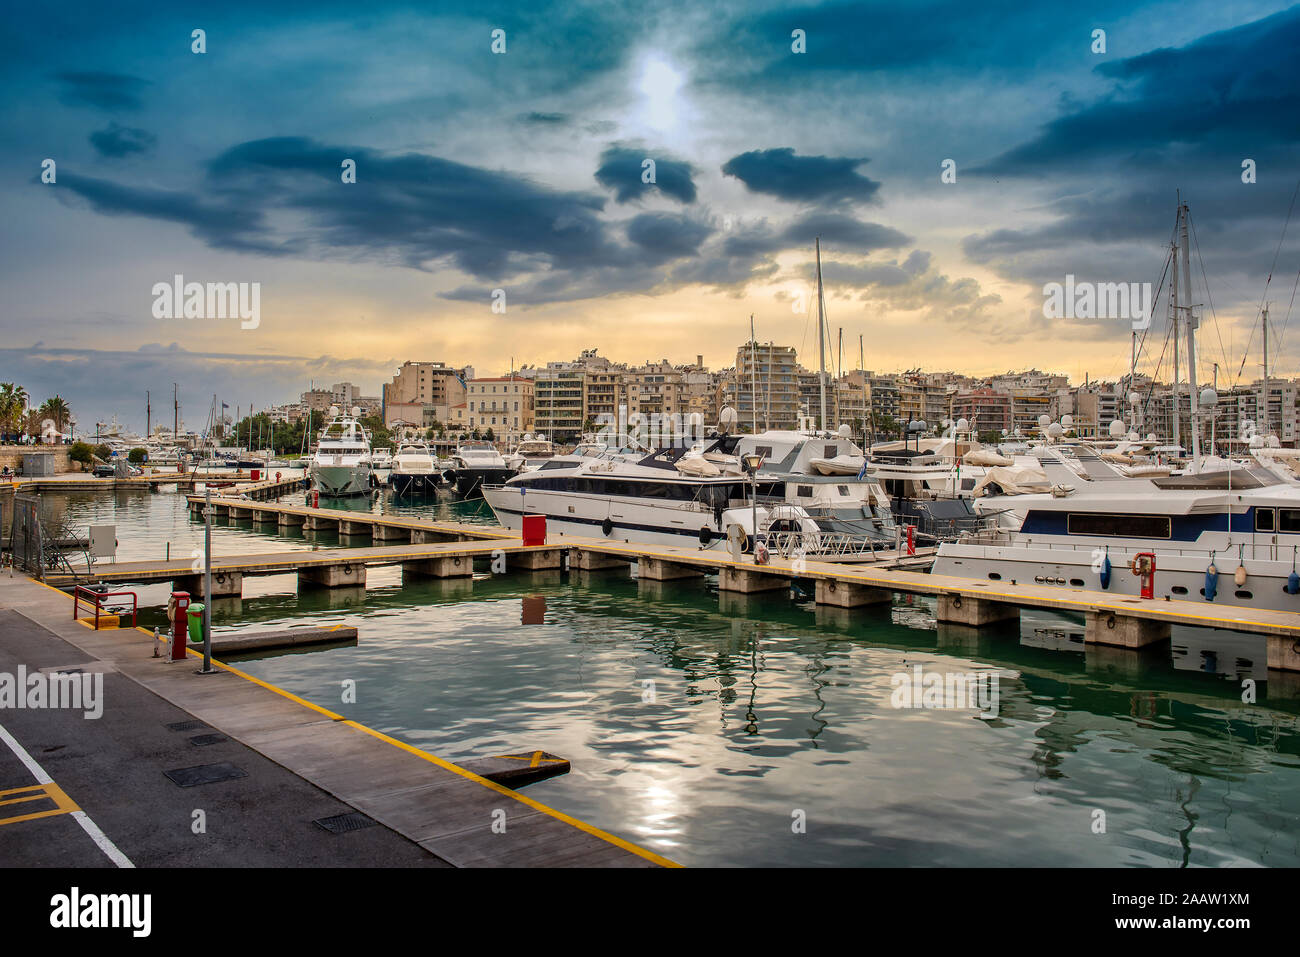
point(1120, 621)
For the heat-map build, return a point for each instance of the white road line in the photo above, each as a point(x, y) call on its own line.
point(90, 827)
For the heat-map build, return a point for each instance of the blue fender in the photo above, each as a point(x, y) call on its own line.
point(1105, 572)
point(1211, 582)
point(1293, 584)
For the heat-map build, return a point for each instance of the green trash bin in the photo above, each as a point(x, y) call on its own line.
point(196, 622)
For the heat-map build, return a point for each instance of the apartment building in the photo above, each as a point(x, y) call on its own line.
point(503, 404)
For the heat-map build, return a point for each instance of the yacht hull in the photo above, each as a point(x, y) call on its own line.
point(1177, 577)
point(413, 483)
point(340, 480)
point(470, 480)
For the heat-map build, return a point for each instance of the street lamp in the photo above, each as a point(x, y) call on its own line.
point(751, 463)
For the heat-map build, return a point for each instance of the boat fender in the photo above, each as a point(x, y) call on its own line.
point(1293, 584)
point(607, 527)
point(1105, 570)
point(1211, 581)
point(1239, 576)
point(706, 535)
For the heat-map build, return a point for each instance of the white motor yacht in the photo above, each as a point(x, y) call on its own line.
point(341, 463)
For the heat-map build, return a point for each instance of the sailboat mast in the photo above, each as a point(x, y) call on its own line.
point(821, 339)
point(1173, 308)
point(753, 377)
point(1266, 422)
point(1194, 399)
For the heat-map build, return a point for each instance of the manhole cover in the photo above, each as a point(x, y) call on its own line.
point(343, 823)
point(205, 739)
point(186, 726)
point(204, 774)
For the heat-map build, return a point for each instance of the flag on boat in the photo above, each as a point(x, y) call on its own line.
point(862, 472)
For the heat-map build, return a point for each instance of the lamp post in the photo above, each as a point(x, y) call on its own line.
point(751, 463)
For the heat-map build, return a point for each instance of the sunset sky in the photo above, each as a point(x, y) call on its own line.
point(522, 171)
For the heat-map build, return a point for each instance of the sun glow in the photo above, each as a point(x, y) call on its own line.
point(659, 85)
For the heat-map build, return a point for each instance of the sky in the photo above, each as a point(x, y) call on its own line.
point(500, 213)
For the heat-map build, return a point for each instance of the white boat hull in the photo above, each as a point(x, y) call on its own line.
point(340, 480)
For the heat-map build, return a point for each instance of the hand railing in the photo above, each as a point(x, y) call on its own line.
point(96, 598)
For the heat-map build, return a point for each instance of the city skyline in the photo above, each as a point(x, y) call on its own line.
point(521, 169)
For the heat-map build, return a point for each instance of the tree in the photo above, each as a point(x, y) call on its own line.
point(13, 405)
point(990, 437)
point(137, 456)
point(56, 411)
point(103, 452)
point(81, 452)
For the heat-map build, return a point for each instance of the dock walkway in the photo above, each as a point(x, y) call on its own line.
point(449, 811)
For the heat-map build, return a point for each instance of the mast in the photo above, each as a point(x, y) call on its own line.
point(1266, 421)
point(148, 415)
point(1173, 308)
point(1193, 398)
point(821, 339)
point(176, 411)
point(753, 377)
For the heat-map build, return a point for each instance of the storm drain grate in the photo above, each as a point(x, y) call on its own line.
point(204, 774)
point(343, 823)
point(186, 726)
point(205, 739)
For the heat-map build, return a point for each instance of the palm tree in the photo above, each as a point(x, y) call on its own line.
point(55, 410)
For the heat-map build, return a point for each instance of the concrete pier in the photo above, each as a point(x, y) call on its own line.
point(359, 527)
point(450, 566)
point(1283, 653)
point(964, 610)
point(584, 561)
point(658, 570)
point(224, 584)
point(748, 582)
point(333, 576)
point(1123, 631)
point(849, 595)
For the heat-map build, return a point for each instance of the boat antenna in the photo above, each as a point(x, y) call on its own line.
point(821, 338)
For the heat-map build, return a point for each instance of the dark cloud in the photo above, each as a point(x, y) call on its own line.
point(545, 119)
point(116, 141)
point(812, 179)
point(1224, 94)
point(622, 166)
point(665, 236)
point(107, 91)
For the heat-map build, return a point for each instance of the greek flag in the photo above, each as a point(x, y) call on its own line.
point(863, 471)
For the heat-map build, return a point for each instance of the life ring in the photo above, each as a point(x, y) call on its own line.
point(607, 527)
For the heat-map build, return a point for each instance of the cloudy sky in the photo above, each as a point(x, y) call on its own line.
point(523, 171)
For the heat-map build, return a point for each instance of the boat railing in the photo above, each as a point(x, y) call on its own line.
point(820, 545)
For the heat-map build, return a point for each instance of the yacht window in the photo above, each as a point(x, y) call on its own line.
point(1265, 520)
point(763, 450)
point(842, 489)
point(967, 484)
point(832, 451)
point(804, 491)
point(1121, 526)
point(1289, 520)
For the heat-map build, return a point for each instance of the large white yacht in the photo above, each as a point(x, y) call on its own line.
point(654, 502)
point(531, 453)
point(414, 471)
point(475, 464)
point(1231, 537)
point(341, 463)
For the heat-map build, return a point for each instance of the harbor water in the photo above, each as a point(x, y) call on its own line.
point(731, 731)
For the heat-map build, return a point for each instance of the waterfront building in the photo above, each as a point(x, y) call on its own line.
point(503, 404)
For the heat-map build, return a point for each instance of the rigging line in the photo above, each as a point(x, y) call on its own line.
point(1276, 253)
point(1208, 297)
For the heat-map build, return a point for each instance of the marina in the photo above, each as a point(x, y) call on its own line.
point(649, 440)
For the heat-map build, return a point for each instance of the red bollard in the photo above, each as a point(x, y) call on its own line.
point(1144, 566)
point(180, 627)
point(911, 539)
point(277, 476)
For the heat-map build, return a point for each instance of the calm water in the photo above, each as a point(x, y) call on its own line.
point(765, 710)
